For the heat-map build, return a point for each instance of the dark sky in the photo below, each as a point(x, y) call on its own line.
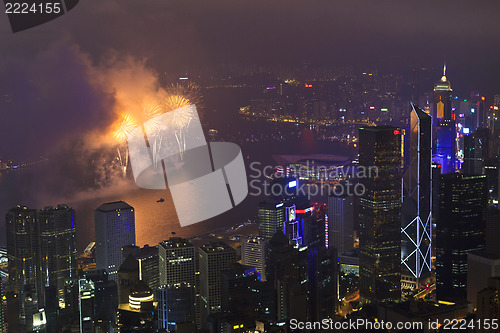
point(48, 72)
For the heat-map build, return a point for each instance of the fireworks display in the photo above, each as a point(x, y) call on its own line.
point(175, 97)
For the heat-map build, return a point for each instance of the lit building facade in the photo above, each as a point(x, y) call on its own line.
point(177, 262)
point(24, 263)
point(379, 214)
point(340, 214)
point(214, 258)
point(174, 305)
point(57, 246)
point(253, 254)
point(460, 230)
point(271, 217)
point(416, 210)
point(114, 229)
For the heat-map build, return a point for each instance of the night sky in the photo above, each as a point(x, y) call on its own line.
point(52, 74)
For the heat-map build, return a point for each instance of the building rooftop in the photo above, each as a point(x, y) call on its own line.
point(113, 206)
point(175, 242)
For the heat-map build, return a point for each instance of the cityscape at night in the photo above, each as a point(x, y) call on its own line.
point(249, 167)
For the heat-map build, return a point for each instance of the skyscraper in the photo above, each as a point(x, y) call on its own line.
point(442, 99)
point(475, 152)
point(443, 120)
point(340, 222)
point(176, 261)
point(214, 258)
point(149, 266)
point(253, 253)
point(460, 230)
point(416, 210)
point(379, 215)
point(57, 246)
point(2, 307)
point(24, 262)
point(271, 218)
point(114, 229)
point(287, 273)
point(175, 305)
point(86, 291)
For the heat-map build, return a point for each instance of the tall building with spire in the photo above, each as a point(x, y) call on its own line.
point(416, 210)
point(442, 99)
point(444, 123)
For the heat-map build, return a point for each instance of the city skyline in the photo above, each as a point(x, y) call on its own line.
point(370, 148)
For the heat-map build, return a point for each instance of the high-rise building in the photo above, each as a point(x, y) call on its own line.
point(253, 254)
point(442, 99)
point(340, 222)
point(149, 266)
point(443, 121)
point(86, 291)
point(105, 298)
point(271, 218)
point(57, 246)
point(313, 220)
point(416, 210)
point(287, 273)
point(475, 152)
point(214, 258)
point(460, 230)
point(114, 229)
point(488, 304)
point(2, 308)
point(176, 262)
point(237, 293)
point(174, 305)
point(128, 277)
point(322, 268)
point(24, 262)
point(379, 213)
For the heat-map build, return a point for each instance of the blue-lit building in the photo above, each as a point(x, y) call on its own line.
point(175, 305)
point(416, 210)
point(114, 229)
point(443, 120)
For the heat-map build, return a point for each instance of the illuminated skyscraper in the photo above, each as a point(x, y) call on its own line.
point(253, 253)
point(442, 99)
point(460, 230)
point(214, 258)
point(114, 229)
point(475, 152)
point(416, 210)
point(24, 262)
point(379, 214)
point(86, 291)
point(340, 222)
point(57, 246)
point(175, 305)
point(149, 266)
point(444, 123)
point(177, 261)
point(271, 218)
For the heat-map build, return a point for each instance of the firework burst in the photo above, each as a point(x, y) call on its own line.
point(125, 127)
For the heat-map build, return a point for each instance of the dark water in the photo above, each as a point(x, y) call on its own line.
point(156, 221)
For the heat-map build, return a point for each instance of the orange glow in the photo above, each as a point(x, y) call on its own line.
point(309, 85)
point(482, 98)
